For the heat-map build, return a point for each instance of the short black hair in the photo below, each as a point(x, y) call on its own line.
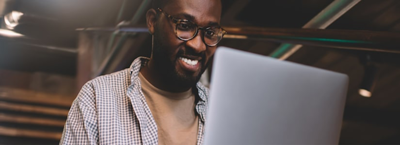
point(161, 3)
point(158, 3)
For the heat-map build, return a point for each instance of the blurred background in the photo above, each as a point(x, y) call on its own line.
point(50, 48)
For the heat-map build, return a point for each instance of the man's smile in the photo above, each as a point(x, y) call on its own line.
point(189, 64)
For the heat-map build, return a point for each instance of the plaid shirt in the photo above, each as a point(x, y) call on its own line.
point(111, 109)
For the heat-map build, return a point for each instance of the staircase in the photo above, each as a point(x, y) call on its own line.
point(29, 117)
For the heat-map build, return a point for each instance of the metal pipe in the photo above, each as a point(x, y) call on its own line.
point(326, 17)
point(120, 29)
point(381, 41)
point(110, 57)
point(110, 43)
point(135, 19)
point(121, 11)
point(139, 13)
point(343, 39)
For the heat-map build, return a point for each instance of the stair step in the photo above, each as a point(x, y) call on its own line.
point(33, 109)
point(35, 97)
point(31, 120)
point(7, 131)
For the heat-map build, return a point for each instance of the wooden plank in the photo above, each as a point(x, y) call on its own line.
point(33, 109)
point(30, 120)
point(34, 97)
point(29, 133)
point(15, 79)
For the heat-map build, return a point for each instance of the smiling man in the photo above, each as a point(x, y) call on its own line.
point(156, 100)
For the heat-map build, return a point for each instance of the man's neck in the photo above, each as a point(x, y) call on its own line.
point(157, 79)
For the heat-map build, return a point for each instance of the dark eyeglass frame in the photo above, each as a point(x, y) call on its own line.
point(177, 21)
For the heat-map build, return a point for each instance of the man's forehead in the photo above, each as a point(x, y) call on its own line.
point(200, 11)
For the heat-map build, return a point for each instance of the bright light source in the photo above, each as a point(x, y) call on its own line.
point(364, 93)
point(370, 76)
point(8, 33)
point(11, 19)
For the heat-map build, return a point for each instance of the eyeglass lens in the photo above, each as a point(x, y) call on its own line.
point(187, 31)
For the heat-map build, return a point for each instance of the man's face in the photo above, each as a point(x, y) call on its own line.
point(179, 61)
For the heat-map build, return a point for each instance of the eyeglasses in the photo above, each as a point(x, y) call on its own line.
point(186, 30)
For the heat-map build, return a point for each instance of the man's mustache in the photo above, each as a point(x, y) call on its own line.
point(188, 53)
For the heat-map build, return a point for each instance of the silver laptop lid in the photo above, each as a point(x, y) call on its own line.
point(260, 100)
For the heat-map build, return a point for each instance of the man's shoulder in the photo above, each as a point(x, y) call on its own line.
point(106, 84)
point(119, 76)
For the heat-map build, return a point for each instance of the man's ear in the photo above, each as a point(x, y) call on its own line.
point(151, 19)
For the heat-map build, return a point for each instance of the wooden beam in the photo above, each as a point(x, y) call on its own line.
point(35, 97)
point(29, 133)
point(33, 109)
point(30, 120)
point(378, 41)
point(345, 39)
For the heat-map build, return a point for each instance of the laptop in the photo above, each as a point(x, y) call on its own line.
point(257, 100)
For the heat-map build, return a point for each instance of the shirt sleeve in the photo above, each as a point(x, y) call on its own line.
point(81, 124)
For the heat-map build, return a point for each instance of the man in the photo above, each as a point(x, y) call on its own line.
point(155, 101)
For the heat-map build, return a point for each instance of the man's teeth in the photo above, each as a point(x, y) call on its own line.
point(189, 61)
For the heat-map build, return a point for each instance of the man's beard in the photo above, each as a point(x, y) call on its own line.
point(166, 67)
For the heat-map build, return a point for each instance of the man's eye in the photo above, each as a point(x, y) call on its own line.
point(209, 33)
point(184, 26)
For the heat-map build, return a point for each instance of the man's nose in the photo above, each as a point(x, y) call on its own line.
point(197, 44)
